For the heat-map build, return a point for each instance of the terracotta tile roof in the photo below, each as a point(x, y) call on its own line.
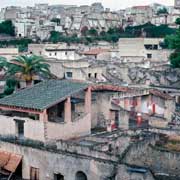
point(95, 51)
point(9, 161)
point(161, 94)
point(107, 87)
point(13, 162)
point(4, 158)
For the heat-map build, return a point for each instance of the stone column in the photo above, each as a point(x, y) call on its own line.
point(150, 100)
point(67, 110)
point(44, 119)
point(126, 103)
point(44, 116)
point(88, 100)
point(139, 104)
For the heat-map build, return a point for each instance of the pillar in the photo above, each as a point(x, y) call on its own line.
point(44, 116)
point(67, 110)
point(44, 119)
point(126, 103)
point(88, 100)
point(139, 104)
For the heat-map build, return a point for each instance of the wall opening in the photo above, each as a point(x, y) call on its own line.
point(34, 173)
point(56, 113)
point(58, 177)
point(81, 176)
point(19, 128)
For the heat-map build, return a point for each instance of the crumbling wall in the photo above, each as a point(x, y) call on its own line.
point(124, 174)
point(64, 163)
point(156, 159)
point(133, 73)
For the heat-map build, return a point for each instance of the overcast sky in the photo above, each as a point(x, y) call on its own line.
point(113, 4)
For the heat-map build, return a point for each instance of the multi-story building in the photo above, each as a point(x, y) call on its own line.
point(132, 49)
point(45, 131)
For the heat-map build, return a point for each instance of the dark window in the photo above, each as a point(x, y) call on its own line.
point(89, 75)
point(69, 74)
point(72, 107)
point(50, 54)
point(37, 81)
point(66, 53)
point(58, 177)
point(148, 46)
point(60, 112)
point(34, 173)
point(151, 46)
point(20, 128)
point(81, 176)
point(149, 56)
point(95, 75)
point(155, 47)
point(55, 53)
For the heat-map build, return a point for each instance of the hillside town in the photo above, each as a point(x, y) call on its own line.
point(37, 22)
point(88, 93)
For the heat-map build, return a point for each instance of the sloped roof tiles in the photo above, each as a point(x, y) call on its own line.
point(43, 95)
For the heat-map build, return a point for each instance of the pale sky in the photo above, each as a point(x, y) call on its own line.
point(113, 4)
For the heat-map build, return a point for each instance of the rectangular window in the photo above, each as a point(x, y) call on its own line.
point(95, 75)
point(69, 74)
point(149, 56)
point(34, 173)
point(20, 128)
point(155, 47)
point(89, 75)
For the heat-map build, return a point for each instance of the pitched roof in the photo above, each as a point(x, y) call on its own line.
point(161, 94)
point(43, 95)
point(95, 51)
point(9, 161)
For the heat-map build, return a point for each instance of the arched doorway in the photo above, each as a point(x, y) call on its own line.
point(58, 177)
point(81, 176)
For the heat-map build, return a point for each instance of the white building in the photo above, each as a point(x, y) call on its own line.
point(143, 48)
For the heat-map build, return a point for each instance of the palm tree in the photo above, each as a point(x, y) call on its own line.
point(27, 67)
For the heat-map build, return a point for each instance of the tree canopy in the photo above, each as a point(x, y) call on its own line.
point(174, 43)
point(56, 20)
point(25, 68)
point(162, 11)
point(7, 27)
point(113, 34)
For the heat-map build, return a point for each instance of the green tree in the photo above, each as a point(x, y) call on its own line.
point(102, 33)
point(162, 11)
point(56, 20)
point(93, 32)
point(150, 30)
point(55, 36)
point(7, 27)
point(27, 67)
point(11, 84)
point(174, 43)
